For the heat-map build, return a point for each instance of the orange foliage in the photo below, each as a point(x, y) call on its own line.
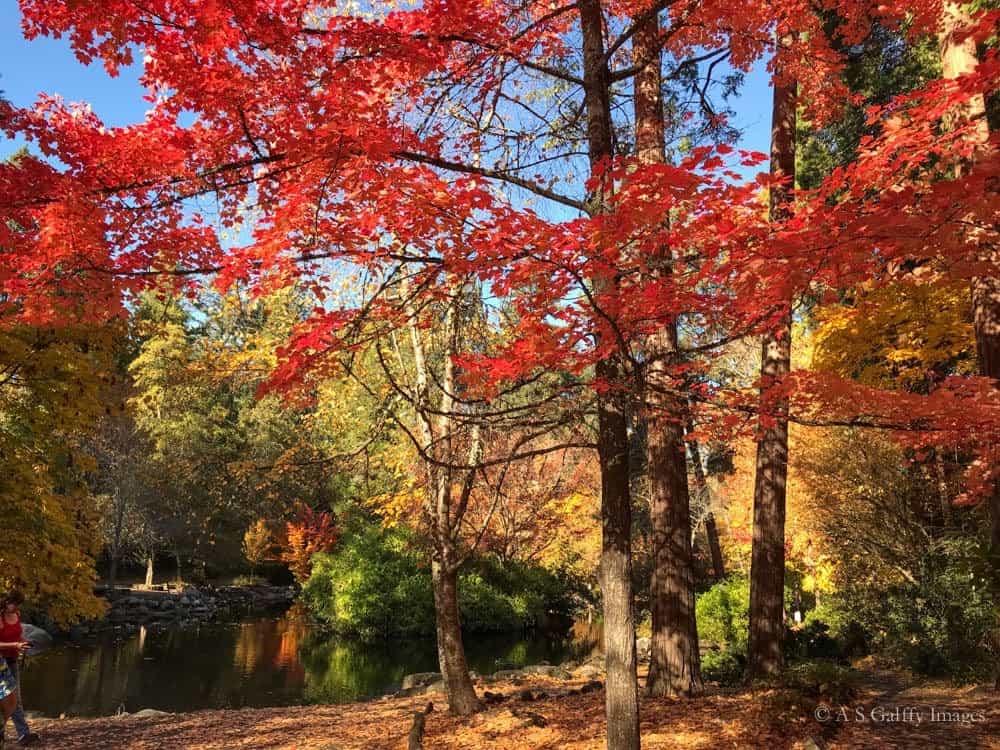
point(310, 532)
point(542, 509)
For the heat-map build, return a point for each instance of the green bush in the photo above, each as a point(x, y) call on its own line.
point(940, 623)
point(723, 614)
point(823, 679)
point(812, 640)
point(723, 667)
point(837, 618)
point(374, 584)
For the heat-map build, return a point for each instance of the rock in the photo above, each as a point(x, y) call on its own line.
point(643, 648)
point(149, 713)
point(435, 687)
point(508, 674)
point(587, 672)
point(420, 679)
point(546, 670)
point(530, 717)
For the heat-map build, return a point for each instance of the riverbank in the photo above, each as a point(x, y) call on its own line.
point(162, 606)
point(540, 712)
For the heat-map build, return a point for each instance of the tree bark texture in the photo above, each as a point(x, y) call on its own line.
point(767, 564)
point(711, 528)
point(436, 434)
point(462, 699)
point(621, 693)
point(958, 57)
point(675, 662)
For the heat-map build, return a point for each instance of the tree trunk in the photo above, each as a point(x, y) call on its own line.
point(711, 529)
point(712, 532)
point(462, 698)
point(958, 57)
point(116, 544)
point(622, 691)
point(944, 496)
point(149, 570)
point(767, 564)
point(112, 574)
point(675, 663)
point(436, 433)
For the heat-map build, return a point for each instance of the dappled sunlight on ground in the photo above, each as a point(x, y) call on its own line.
point(571, 722)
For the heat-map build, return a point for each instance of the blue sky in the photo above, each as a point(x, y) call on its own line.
point(49, 66)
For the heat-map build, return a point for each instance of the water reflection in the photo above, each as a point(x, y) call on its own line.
point(259, 662)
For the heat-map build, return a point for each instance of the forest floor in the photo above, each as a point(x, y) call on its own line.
point(889, 712)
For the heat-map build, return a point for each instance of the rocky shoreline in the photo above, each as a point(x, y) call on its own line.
point(586, 675)
point(131, 609)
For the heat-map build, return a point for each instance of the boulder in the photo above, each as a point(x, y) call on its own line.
point(420, 679)
point(546, 670)
point(149, 713)
point(508, 674)
point(591, 686)
point(588, 672)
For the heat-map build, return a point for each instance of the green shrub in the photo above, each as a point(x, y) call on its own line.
point(374, 584)
point(723, 614)
point(823, 679)
point(723, 667)
point(812, 640)
point(940, 623)
point(835, 615)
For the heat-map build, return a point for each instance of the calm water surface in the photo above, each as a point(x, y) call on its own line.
point(266, 661)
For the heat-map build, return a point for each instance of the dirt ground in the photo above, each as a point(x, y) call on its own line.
point(888, 713)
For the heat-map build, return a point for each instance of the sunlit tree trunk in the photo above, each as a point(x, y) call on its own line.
point(462, 698)
point(436, 430)
point(958, 57)
point(767, 564)
point(711, 528)
point(675, 664)
point(116, 542)
point(621, 690)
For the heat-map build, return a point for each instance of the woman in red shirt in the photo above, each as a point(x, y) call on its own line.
point(12, 645)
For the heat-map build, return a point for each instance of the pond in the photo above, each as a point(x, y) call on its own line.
point(263, 661)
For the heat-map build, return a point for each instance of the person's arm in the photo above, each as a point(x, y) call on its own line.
point(16, 646)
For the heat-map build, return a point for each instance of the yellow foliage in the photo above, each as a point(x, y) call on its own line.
point(895, 336)
point(50, 394)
